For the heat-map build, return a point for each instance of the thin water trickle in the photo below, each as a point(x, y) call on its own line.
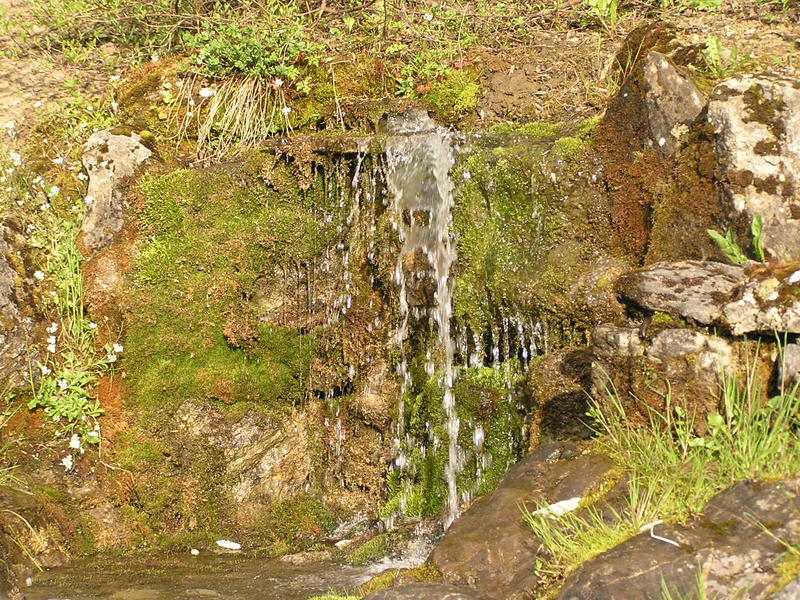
point(419, 157)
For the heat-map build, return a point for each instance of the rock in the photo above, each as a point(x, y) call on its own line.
point(490, 547)
point(20, 320)
point(673, 101)
point(789, 367)
point(733, 543)
point(696, 290)
point(426, 591)
point(769, 301)
point(560, 383)
point(753, 118)
point(790, 592)
point(687, 364)
point(109, 159)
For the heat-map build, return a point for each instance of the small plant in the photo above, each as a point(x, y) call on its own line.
point(722, 63)
point(733, 251)
point(606, 11)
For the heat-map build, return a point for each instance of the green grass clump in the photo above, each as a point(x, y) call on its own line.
point(455, 94)
point(672, 471)
point(372, 550)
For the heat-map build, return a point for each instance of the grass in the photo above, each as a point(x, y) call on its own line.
point(672, 471)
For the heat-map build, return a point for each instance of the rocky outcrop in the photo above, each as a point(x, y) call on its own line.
point(426, 591)
point(109, 159)
point(757, 299)
point(737, 544)
point(673, 101)
point(490, 547)
point(755, 120)
point(694, 290)
point(639, 373)
point(20, 320)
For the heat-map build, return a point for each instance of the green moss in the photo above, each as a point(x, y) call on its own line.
point(455, 94)
point(372, 550)
point(535, 129)
point(567, 147)
point(298, 522)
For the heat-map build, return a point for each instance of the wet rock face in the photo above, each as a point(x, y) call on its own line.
point(264, 461)
point(490, 547)
point(19, 318)
point(733, 542)
point(689, 289)
point(673, 101)
point(109, 159)
point(755, 118)
point(426, 591)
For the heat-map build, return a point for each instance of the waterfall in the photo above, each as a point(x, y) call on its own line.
point(419, 157)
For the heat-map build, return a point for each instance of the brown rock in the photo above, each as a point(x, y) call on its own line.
point(426, 591)
point(490, 547)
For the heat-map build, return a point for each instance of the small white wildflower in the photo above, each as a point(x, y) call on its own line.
point(93, 434)
point(58, 161)
point(62, 384)
point(39, 275)
point(38, 104)
point(82, 176)
point(90, 108)
point(194, 552)
point(45, 206)
point(428, 17)
point(75, 441)
point(278, 83)
point(114, 78)
point(38, 180)
point(53, 191)
point(88, 200)
point(192, 102)
point(19, 202)
point(51, 339)
point(3, 179)
point(286, 110)
point(118, 348)
point(51, 348)
point(45, 370)
point(67, 462)
point(115, 106)
point(16, 159)
point(53, 327)
point(206, 92)
point(92, 325)
point(111, 357)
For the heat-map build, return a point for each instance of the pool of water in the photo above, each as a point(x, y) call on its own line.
point(212, 577)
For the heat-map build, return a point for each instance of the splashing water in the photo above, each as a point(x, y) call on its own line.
point(419, 156)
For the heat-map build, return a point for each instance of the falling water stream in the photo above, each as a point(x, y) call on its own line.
point(419, 157)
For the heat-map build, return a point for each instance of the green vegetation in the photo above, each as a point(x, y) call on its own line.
point(721, 62)
point(671, 471)
point(63, 383)
point(733, 251)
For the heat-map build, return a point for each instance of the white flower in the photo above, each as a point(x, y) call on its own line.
point(45, 206)
point(39, 275)
point(45, 370)
point(286, 110)
point(118, 348)
point(278, 83)
point(115, 106)
point(206, 92)
point(51, 348)
point(53, 327)
point(90, 108)
point(16, 159)
point(51, 339)
point(428, 17)
point(67, 462)
point(62, 384)
point(82, 176)
point(114, 78)
point(38, 104)
point(93, 434)
point(58, 161)
point(194, 551)
point(111, 357)
point(88, 200)
point(92, 325)
point(54, 191)
point(75, 441)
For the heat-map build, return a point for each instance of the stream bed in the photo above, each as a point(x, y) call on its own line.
point(208, 576)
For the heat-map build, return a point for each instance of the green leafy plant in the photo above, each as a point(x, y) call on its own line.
point(733, 251)
point(721, 62)
point(606, 11)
